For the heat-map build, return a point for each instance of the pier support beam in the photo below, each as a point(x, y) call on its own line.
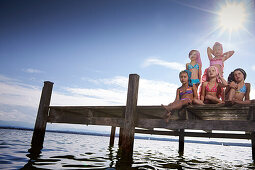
point(41, 119)
point(120, 136)
point(127, 140)
point(112, 137)
point(181, 142)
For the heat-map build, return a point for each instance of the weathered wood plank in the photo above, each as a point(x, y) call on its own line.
point(130, 118)
point(228, 125)
point(112, 137)
point(105, 121)
point(196, 134)
point(181, 142)
point(41, 119)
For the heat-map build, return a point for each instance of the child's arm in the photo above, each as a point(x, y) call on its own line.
point(194, 88)
point(223, 82)
point(177, 97)
point(247, 94)
point(199, 73)
point(187, 66)
point(203, 91)
point(227, 55)
point(209, 53)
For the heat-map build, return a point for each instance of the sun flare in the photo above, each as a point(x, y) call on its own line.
point(232, 16)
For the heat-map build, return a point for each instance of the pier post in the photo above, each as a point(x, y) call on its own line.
point(41, 119)
point(181, 142)
point(120, 136)
point(127, 141)
point(112, 137)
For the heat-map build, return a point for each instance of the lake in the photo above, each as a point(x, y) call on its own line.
point(76, 151)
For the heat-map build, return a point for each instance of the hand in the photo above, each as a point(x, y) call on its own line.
point(233, 85)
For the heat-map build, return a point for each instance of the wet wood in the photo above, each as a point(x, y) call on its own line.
point(112, 137)
point(181, 141)
point(41, 119)
point(196, 134)
point(130, 118)
point(228, 125)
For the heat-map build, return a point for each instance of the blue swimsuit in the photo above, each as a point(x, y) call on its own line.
point(196, 66)
point(242, 90)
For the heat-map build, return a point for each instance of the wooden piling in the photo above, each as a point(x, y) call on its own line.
point(130, 118)
point(112, 137)
point(42, 115)
point(120, 136)
point(181, 142)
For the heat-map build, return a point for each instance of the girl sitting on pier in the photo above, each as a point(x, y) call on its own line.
point(212, 87)
point(186, 94)
point(195, 67)
point(238, 91)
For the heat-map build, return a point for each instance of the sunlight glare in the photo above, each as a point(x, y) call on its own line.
point(232, 16)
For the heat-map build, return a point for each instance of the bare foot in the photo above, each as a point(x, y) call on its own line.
point(167, 116)
point(165, 107)
point(168, 113)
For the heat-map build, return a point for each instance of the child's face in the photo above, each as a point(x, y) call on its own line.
point(184, 78)
point(193, 56)
point(212, 72)
point(238, 75)
point(217, 50)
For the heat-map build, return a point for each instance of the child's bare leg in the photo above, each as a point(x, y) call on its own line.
point(213, 99)
point(174, 106)
point(231, 94)
point(196, 101)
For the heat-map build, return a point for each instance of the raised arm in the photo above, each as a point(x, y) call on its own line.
point(227, 55)
point(209, 53)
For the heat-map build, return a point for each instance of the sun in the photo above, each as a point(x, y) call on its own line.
point(232, 16)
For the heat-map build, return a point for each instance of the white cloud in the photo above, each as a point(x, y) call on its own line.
point(31, 70)
point(171, 65)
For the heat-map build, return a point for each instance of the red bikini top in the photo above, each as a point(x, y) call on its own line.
point(214, 88)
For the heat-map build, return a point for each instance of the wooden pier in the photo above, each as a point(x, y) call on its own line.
point(146, 119)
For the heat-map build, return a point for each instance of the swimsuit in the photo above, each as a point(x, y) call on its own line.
point(196, 66)
point(213, 89)
point(217, 61)
point(188, 91)
point(194, 81)
point(242, 90)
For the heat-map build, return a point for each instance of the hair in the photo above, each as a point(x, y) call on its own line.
point(216, 69)
point(231, 76)
point(189, 76)
point(217, 44)
point(198, 60)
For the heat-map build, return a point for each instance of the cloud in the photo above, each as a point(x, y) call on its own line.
point(171, 65)
point(31, 70)
point(20, 101)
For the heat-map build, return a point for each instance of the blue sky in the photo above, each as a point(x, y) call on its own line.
point(89, 47)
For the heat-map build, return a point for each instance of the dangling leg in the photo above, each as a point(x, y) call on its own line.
point(178, 104)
